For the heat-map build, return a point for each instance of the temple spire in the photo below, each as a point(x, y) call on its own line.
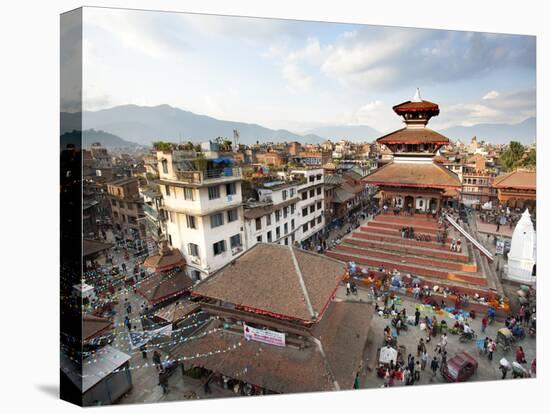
point(417, 97)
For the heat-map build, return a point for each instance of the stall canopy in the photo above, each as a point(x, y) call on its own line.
point(388, 354)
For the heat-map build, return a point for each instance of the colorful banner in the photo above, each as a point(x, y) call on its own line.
point(264, 335)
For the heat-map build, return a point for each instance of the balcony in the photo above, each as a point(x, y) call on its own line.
point(209, 176)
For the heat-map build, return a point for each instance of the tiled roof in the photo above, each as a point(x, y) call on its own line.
point(94, 326)
point(342, 333)
point(163, 286)
point(341, 195)
point(177, 310)
point(334, 179)
point(264, 280)
point(410, 106)
point(413, 136)
point(517, 179)
point(413, 175)
point(163, 262)
point(90, 247)
point(279, 369)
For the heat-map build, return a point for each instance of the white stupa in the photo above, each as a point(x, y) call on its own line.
point(523, 251)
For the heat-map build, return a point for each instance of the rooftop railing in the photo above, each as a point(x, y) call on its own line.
point(200, 177)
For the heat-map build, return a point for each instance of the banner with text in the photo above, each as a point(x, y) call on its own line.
point(264, 335)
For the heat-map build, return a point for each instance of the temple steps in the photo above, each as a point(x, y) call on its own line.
point(394, 236)
point(428, 271)
point(378, 252)
point(398, 226)
point(397, 246)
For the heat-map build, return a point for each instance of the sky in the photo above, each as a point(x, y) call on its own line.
point(299, 75)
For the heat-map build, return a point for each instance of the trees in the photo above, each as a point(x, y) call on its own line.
point(162, 146)
point(512, 157)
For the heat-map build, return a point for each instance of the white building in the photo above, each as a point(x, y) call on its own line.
point(288, 211)
point(311, 204)
point(203, 211)
point(274, 217)
point(522, 257)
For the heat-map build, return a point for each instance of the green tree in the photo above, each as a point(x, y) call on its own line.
point(200, 162)
point(162, 146)
point(530, 159)
point(512, 157)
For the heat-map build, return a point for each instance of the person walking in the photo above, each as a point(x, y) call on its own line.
point(443, 342)
point(421, 348)
point(156, 360)
point(520, 355)
point(416, 317)
point(434, 366)
point(484, 323)
point(491, 348)
point(417, 369)
point(163, 382)
point(424, 360)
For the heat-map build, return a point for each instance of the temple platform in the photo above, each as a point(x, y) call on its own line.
point(380, 243)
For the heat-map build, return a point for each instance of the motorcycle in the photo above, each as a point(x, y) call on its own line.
point(467, 336)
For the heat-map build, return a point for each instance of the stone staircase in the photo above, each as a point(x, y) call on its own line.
point(379, 243)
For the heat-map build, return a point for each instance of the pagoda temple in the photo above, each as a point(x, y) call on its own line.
point(413, 181)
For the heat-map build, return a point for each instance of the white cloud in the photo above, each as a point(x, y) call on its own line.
point(156, 35)
point(507, 108)
point(490, 95)
point(297, 80)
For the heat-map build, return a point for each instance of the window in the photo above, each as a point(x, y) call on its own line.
point(304, 228)
point(277, 215)
point(193, 249)
point(312, 193)
point(188, 193)
point(191, 224)
point(286, 228)
point(319, 176)
point(216, 220)
point(319, 205)
point(304, 195)
point(292, 192)
point(292, 208)
point(170, 239)
point(258, 223)
point(269, 239)
point(421, 203)
point(213, 192)
point(232, 215)
point(167, 189)
point(235, 241)
point(312, 208)
point(219, 247)
point(319, 220)
point(286, 241)
point(285, 194)
point(292, 224)
point(268, 220)
point(318, 190)
point(259, 239)
point(277, 232)
point(285, 212)
point(113, 202)
point(115, 214)
point(165, 166)
point(304, 212)
point(311, 178)
point(231, 189)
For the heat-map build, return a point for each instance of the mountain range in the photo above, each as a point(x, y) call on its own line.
point(145, 124)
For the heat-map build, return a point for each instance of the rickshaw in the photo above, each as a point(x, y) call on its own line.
point(505, 338)
point(518, 371)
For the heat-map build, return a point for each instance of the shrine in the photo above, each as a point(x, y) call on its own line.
point(413, 182)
